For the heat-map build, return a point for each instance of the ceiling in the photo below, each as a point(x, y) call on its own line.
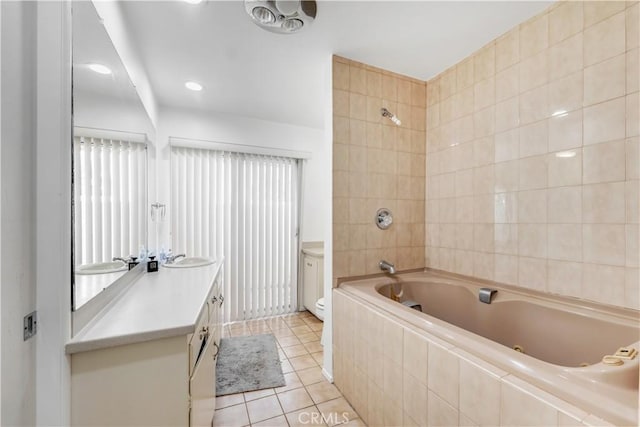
point(251, 72)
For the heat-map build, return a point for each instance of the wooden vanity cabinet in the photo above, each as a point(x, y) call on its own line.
point(160, 382)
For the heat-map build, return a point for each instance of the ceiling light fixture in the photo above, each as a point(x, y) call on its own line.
point(193, 1)
point(281, 16)
point(99, 68)
point(193, 86)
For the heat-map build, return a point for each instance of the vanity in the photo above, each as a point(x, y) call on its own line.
point(149, 356)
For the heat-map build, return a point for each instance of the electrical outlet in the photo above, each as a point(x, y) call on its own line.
point(30, 322)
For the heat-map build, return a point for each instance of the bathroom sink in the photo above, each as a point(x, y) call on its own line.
point(101, 268)
point(188, 262)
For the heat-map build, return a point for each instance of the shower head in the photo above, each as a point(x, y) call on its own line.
point(391, 116)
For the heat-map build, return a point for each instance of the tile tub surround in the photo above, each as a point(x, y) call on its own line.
point(376, 164)
point(533, 158)
point(306, 396)
point(394, 373)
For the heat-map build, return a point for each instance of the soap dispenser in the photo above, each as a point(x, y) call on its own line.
point(133, 261)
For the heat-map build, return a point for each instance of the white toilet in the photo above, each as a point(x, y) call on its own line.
point(320, 309)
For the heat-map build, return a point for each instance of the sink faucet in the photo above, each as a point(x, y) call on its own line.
point(117, 258)
point(171, 259)
point(387, 266)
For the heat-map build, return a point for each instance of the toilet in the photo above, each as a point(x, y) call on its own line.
point(320, 309)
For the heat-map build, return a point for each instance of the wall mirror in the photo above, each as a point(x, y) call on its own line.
point(111, 132)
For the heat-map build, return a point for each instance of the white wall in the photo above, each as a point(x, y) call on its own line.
point(235, 129)
point(53, 207)
point(18, 291)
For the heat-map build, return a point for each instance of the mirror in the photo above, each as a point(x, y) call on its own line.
point(111, 131)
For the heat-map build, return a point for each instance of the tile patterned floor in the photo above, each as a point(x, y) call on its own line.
point(307, 399)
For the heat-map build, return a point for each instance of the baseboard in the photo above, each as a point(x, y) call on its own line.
point(327, 375)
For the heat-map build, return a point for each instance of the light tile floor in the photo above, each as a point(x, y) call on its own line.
point(307, 399)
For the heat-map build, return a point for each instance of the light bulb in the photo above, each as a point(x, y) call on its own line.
point(263, 15)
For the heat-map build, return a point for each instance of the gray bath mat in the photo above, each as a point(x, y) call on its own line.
point(247, 364)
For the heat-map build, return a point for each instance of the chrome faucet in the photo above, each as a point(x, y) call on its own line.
point(387, 266)
point(117, 258)
point(171, 259)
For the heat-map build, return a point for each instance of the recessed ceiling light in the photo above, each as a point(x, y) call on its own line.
point(193, 86)
point(193, 1)
point(99, 68)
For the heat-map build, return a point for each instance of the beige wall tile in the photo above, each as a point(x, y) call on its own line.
point(520, 406)
point(508, 49)
point(632, 198)
point(605, 39)
point(564, 205)
point(534, 139)
point(443, 376)
point(465, 76)
point(340, 76)
point(596, 11)
point(604, 244)
point(564, 277)
point(565, 94)
point(389, 88)
point(565, 21)
point(414, 398)
point(532, 172)
point(357, 79)
point(563, 170)
point(534, 105)
point(506, 269)
point(532, 273)
point(532, 240)
point(604, 122)
point(508, 83)
point(605, 80)
point(484, 93)
point(506, 239)
point(507, 114)
point(532, 206)
point(604, 283)
point(566, 57)
point(604, 162)
point(604, 203)
point(564, 242)
point(440, 413)
point(633, 114)
point(534, 71)
point(633, 70)
point(534, 36)
point(565, 131)
point(479, 382)
point(632, 158)
point(632, 288)
point(632, 26)
point(507, 145)
point(484, 63)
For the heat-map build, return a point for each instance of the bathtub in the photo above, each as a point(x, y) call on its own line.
point(560, 341)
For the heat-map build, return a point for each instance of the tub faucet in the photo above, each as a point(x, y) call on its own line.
point(387, 266)
point(171, 259)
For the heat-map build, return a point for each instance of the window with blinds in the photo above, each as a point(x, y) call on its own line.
point(109, 180)
point(243, 207)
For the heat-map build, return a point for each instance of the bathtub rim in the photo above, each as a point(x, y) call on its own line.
point(566, 383)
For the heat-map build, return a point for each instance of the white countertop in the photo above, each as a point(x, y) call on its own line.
point(319, 252)
point(158, 305)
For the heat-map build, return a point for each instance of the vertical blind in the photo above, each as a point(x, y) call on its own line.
point(243, 207)
point(109, 179)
